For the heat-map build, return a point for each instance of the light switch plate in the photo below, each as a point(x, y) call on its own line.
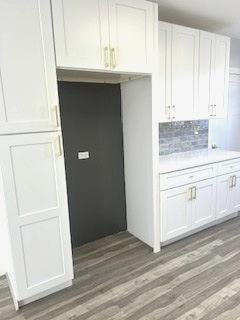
point(83, 155)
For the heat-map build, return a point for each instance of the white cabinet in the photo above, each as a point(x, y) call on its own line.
point(178, 71)
point(228, 194)
point(213, 75)
point(28, 90)
point(165, 67)
point(204, 202)
point(193, 73)
point(185, 44)
point(206, 74)
point(34, 188)
point(131, 35)
point(98, 35)
point(187, 207)
point(175, 209)
point(81, 33)
point(221, 76)
point(194, 197)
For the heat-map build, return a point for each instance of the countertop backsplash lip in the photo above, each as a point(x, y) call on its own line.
point(183, 136)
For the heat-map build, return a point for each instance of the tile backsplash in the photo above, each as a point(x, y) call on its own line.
point(182, 136)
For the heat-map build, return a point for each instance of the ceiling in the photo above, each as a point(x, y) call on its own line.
point(220, 16)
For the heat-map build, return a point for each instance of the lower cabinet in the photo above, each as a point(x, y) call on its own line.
point(187, 207)
point(204, 202)
point(228, 194)
point(33, 185)
point(194, 205)
point(176, 212)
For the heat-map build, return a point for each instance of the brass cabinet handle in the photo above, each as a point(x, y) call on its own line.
point(106, 57)
point(59, 146)
point(56, 116)
point(194, 191)
point(234, 181)
point(113, 58)
point(190, 195)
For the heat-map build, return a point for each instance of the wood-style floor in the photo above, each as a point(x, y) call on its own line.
point(118, 277)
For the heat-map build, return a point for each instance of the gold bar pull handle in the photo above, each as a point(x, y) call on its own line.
point(231, 183)
point(106, 57)
point(113, 58)
point(190, 194)
point(59, 146)
point(234, 181)
point(56, 116)
point(194, 189)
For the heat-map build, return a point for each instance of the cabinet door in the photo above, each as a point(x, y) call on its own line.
point(33, 179)
point(185, 52)
point(204, 202)
point(206, 75)
point(81, 33)
point(28, 86)
point(221, 76)
point(235, 194)
point(223, 195)
point(175, 212)
point(164, 52)
point(131, 35)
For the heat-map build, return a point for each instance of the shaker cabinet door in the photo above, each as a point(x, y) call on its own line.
point(176, 212)
point(221, 76)
point(185, 53)
point(28, 85)
point(204, 203)
point(81, 33)
point(34, 187)
point(205, 108)
point(131, 35)
point(164, 71)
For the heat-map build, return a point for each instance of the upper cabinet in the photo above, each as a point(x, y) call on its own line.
point(213, 75)
point(185, 44)
point(28, 86)
point(193, 73)
point(81, 33)
point(98, 35)
point(221, 76)
point(178, 70)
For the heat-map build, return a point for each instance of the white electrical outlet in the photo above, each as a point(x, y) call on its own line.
point(83, 155)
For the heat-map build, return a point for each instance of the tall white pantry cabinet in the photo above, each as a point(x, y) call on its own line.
point(33, 196)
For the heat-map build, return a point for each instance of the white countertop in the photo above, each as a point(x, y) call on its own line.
point(190, 159)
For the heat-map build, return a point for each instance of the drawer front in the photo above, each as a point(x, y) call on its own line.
point(228, 166)
point(180, 178)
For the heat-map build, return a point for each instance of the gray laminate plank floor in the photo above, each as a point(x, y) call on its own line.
point(119, 278)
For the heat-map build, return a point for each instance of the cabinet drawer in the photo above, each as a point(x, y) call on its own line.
point(228, 166)
point(179, 178)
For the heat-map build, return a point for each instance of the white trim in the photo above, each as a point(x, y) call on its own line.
point(234, 71)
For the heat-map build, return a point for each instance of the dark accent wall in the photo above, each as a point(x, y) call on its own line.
point(91, 121)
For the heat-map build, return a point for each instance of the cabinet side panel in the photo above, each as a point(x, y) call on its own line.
point(137, 141)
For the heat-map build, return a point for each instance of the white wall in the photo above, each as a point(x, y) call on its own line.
point(235, 53)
